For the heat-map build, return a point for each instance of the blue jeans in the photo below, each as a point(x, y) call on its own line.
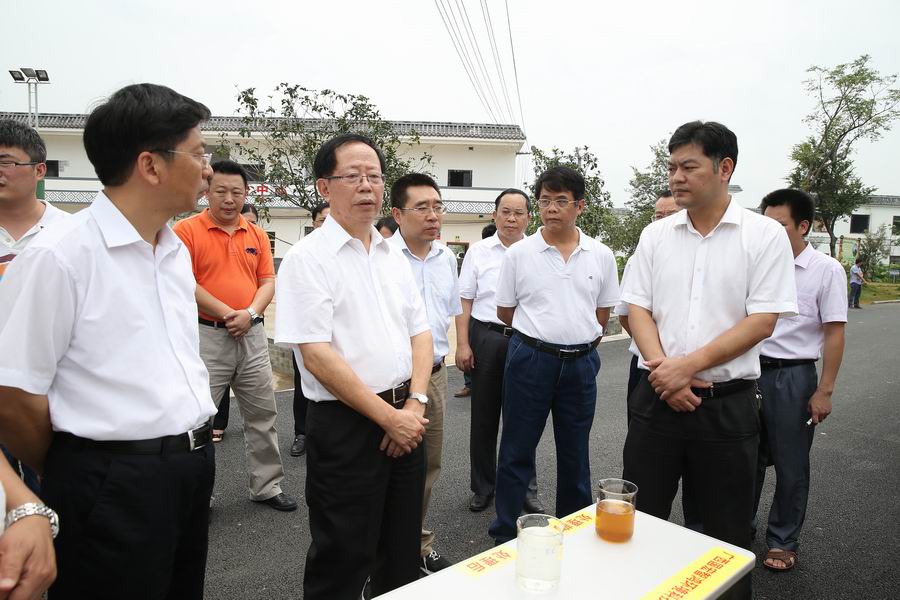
point(28, 475)
point(855, 291)
point(536, 384)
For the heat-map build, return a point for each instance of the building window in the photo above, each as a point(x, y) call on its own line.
point(895, 260)
point(459, 178)
point(52, 169)
point(859, 223)
point(271, 235)
point(896, 227)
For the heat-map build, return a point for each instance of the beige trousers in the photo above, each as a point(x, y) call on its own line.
point(434, 441)
point(244, 364)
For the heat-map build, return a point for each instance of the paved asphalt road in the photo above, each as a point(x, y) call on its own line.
point(850, 545)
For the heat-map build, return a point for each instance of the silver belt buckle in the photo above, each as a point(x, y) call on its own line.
point(192, 443)
point(508, 331)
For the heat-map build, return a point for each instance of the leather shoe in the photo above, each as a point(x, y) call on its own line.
point(464, 392)
point(478, 502)
point(534, 506)
point(299, 445)
point(281, 502)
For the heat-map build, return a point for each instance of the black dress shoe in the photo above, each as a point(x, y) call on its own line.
point(534, 506)
point(299, 445)
point(281, 502)
point(478, 502)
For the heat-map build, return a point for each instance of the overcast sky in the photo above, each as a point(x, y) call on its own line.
point(615, 78)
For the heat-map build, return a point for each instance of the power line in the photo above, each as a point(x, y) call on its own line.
point(460, 40)
point(464, 14)
point(486, 12)
point(515, 70)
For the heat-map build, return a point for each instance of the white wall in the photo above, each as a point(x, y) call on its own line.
point(879, 215)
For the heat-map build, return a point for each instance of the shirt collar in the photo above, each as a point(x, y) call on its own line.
point(210, 224)
point(733, 214)
point(802, 259)
point(583, 243)
point(397, 240)
point(118, 231)
point(336, 236)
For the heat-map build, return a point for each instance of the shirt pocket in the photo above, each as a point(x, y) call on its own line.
point(809, 307)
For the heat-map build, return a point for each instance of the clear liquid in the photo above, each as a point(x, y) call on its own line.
point(539, 559)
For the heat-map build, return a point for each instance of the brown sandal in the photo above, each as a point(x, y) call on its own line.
point(217, 436)
point(788, 558)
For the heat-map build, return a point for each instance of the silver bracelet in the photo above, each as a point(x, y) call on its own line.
point(30, 509)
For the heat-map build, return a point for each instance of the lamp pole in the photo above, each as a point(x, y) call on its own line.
point(32, 78)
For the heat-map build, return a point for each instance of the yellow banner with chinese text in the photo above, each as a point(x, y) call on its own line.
point(701, 578)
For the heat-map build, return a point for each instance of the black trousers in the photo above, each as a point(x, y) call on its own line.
point(131, 526)
point(489, 348)
point(300, 401)
point(634, 376)
point(715, 446)
point(365, 508)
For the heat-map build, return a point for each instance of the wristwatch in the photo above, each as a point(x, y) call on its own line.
point(31, 508)
point(253, 314)
point(420, 397)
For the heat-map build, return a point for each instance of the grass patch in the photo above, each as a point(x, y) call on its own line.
point(876, 291)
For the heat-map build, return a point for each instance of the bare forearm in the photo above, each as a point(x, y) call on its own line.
point(603, 317)
point(423, 361)
point(623, 321)
point(462, 322)
point(506, 314)
point(264, 294)
point(734, 342)
point(645, 333)
point(211, 305)
point(25, 425)
point(832, 355)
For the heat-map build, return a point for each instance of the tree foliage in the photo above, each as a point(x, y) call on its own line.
point(874, 247)
point(282, 133)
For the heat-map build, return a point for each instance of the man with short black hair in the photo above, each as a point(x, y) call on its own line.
point(319, 213)
point(386, 226)
point(126, 455)
point(857, 280)
point(793, 403)
point(348, 307)
point(232, 262)
point(555, 289)
point(705, 287)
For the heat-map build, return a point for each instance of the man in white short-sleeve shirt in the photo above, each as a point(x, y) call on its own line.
point(794, 400)
point(555, 289)
point(705, 287)
point(348, 306)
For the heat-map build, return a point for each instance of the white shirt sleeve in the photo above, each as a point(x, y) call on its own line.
point(506, 281)
point(833, 295)
point(468, 276)
point(608, 295)
point(416, 317)
point(455, 303)
point(637, 287)
point(621, 309)
point(772, 286)
point(304, 304)
point(38, 309)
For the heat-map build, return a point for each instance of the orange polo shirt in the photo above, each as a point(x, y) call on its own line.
point(227, 266)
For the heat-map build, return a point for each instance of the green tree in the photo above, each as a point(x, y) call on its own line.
point(595, 217)
point(283, 134)
point(644, 190)
point(874, 247)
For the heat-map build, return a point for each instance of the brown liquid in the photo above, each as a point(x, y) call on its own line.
point(615, 520)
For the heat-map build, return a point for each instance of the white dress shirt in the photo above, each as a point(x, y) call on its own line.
point(478, 277)
point(365, 304)
point(621, 310)
point(10, 247)
point(438, 283)
point(106, 327)
point(556, 301)
point(698, 287)
point(821, 297)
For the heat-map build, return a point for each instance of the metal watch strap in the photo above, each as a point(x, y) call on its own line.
point(253, 313)
point(420, 397)
point(31, 509)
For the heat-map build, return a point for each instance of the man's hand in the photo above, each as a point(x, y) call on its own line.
point(684, 400)
point(819, 406)
point(27, 559)
point(404, 432)
point(465, 360)
point(670, 374)
point(238, 323)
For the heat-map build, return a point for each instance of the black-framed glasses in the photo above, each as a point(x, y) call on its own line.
point(438, 209)
point(559, 202)
point(7, 165)
point(205, 157)
point(356, 178)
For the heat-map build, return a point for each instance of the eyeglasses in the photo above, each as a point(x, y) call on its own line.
point(357, 178)
point(559, 202)
point(506, 213)
point(205, 157)
point(7, 165)
point(422, 211)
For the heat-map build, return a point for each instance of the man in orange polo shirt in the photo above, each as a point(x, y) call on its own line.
point(232, 262)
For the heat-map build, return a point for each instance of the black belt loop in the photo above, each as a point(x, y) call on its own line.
point(560, 352)
point(767, 362)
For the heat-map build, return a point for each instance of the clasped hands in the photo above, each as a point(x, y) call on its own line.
point(672, 378)
point(404, 429)
point(238, 323)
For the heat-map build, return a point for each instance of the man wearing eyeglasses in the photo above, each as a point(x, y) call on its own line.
point(348, 307)
point(555, 289)
point(232, 262)
point(417, 208)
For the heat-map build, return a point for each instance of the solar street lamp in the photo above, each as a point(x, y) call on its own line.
point(32, 78)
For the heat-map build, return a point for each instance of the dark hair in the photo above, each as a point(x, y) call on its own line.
point(229, 167)
point(137, 118)
point(318, 208)
point(666, 193)
point(512, 191)
point(560, 179)
point(801, 205)
point(859, 260)
point(488, 230)
point(717, 141)
point(249, 208)
point(18, 135)
point(326, 160)
point(399, 194)
point(388, 222)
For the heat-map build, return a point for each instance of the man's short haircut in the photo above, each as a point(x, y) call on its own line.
point(666, 193)
point(249, 208)
point(560, 179)
point(318, 208)
point(512, 191)
point(229, 167)
point(138, 118)
point(326, 158)
point(388, 222)
point(859, 260)
point(18, 135)
point(717, 141)
point(801, 205)
point(399, 191)
point(488, 230)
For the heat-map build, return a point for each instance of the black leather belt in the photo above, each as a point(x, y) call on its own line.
point(724, 388)
point(397, 395)
point(767, 362)
point(437, 367)
point(221, 324)
point(559, 351)
point(183, 442)
point(501, 329)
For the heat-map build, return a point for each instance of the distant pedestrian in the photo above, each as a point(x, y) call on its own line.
point(857, 280)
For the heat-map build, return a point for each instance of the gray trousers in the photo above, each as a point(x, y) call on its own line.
point(244, 365)
point(785, 441)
